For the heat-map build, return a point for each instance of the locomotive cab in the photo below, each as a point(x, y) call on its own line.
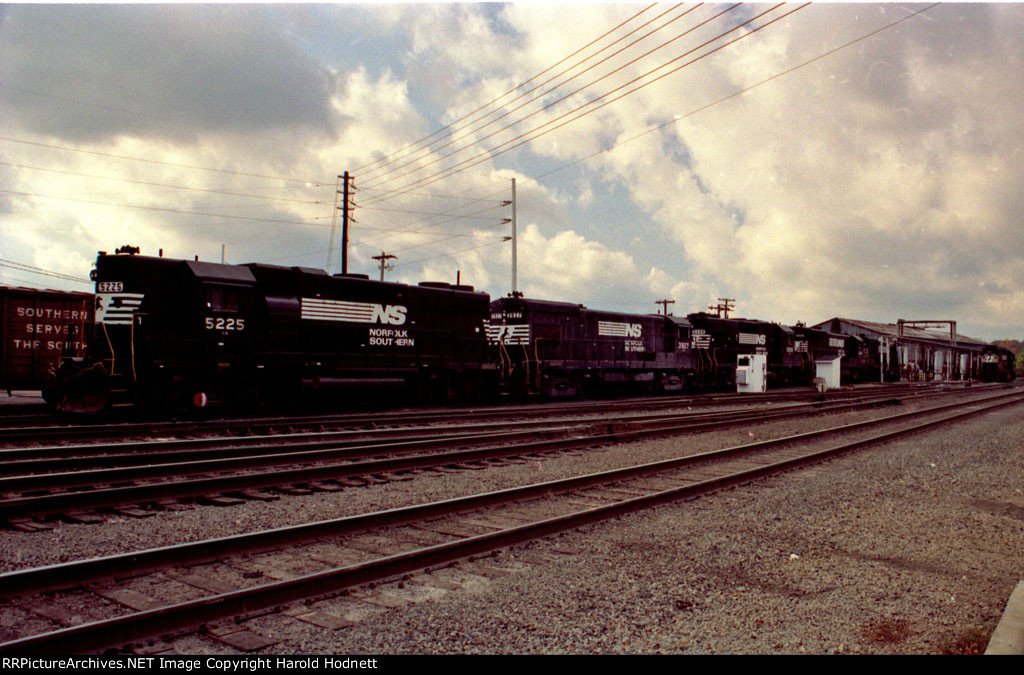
point(167, 333)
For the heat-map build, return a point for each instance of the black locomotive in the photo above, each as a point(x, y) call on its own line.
point(860, 359)
point(996, 364)
point(173, 333)
point(561, 349)
point(717, 342)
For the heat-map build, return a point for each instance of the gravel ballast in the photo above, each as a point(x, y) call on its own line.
point(910, 547)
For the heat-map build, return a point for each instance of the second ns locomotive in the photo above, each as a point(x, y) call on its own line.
point(561, 349)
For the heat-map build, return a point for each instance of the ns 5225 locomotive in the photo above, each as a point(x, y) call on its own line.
point(176, 333)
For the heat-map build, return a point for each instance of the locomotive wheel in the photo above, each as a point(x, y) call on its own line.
point(84, 390)
point(670, 382)
point(559, 387)
point(84, 402)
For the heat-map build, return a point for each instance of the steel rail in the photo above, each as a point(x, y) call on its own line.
point(120, 630)
point(563, 438)
point(8, 435)
point(14, 582)
point(44, 578)
point(13, 508)
point(40, 459)
point(204, 452)
point(136, 453)
point(376, 417)
point(133, 453)
point(32, 459)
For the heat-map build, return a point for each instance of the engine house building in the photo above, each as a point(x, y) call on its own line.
point(917, 353)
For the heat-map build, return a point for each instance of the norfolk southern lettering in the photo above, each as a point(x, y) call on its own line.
point(390, 337)
point(316, 309)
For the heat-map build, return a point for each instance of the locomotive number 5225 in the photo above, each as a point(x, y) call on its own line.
point(221, 323)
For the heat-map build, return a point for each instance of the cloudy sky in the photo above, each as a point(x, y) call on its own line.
point(831, 160)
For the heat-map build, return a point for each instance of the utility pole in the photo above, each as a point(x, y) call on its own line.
point(344, 227)
point(341, 189)
point(515, 240)
point(384, 265)
point(664, 305)
point(723, 307)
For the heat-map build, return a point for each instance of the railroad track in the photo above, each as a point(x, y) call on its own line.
point(38, 483)
point(58, 429)
point(126, 598)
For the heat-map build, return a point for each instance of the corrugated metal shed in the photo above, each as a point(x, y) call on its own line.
point(890, 330)
point(920, 353)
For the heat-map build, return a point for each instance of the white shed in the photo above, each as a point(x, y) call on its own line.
point(828, 371)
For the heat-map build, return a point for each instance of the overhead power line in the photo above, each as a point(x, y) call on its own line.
point(510, 91)
point(540, 130)
point(382, 179)
point(457, 130)
point(635, 30)
point(440, 236)
point(454, 216)
point(435, 195)
point(492, 152)
point(163, 185)
point(163, 209)
point(451, 253)
point(712, 104)
point(738, 93)
point(314, 181)
point(22, 267)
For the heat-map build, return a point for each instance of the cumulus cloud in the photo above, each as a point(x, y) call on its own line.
point(880, 182)
point(567, 266)
point(869, 186)
point(93, 73)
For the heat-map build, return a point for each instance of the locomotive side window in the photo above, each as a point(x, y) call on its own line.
point(222, 299)
point(225, 304)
